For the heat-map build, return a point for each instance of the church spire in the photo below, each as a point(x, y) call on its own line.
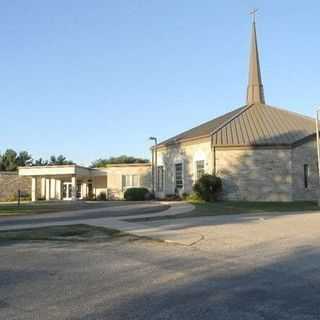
point(255, 87)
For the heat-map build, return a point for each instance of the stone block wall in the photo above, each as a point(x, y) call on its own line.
point(301, 155)
point(10, 183)
point(187, 154)
point(255, 174)
point(249, 174)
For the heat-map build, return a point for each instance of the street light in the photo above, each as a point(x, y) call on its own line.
point(318, 153)
point(154, 165)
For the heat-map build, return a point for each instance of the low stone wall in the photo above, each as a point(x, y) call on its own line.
point(10, 183)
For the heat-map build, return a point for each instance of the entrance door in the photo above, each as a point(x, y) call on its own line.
point(67, 191)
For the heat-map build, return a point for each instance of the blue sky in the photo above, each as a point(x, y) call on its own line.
point(93, 79)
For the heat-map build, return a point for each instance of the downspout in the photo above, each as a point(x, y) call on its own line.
point(214, 161)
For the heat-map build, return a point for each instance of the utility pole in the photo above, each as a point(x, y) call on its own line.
point(154, 165)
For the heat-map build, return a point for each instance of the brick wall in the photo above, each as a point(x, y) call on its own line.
point(10, 183)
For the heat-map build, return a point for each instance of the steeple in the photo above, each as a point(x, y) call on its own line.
point(255, 87)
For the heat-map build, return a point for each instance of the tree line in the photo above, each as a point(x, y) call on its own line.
point(100, 163)
point(10, 160)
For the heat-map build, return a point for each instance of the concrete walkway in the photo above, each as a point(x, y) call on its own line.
point(117, 222)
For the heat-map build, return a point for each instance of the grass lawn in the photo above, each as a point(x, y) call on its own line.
point(207, 209)
point(231, 207)
point(75, 232)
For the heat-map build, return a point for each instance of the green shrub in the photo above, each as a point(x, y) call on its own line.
point(208, 187)
point(194, 197)
point(102, 196)
point(185, 196)
point(136, 194)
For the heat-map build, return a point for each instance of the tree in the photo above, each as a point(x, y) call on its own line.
point(60, 160)
point(10, 160)
point(117, 160)
point(40, 162)
point(24, 159)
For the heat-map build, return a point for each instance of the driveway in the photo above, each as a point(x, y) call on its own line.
point(246, 233)
point(104, 210)
point(244, 267)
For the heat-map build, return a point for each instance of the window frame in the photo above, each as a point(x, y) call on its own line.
point(130, 178)
point(180, 163)
point(137, 182)
point(197, 175)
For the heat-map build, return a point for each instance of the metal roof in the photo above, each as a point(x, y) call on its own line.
point(204, 129)
point(252, 125)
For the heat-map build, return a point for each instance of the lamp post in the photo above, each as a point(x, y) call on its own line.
point(154, 165)
point(318, 153)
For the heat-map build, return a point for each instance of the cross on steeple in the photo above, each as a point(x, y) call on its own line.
point(253, 14)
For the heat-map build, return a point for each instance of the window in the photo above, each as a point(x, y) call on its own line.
point(135, 181)
point(199, 169)
point(130, 180)
point(160, 179)
point(179, 176)
point(306, 175)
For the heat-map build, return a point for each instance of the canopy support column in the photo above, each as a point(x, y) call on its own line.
point(33, 189)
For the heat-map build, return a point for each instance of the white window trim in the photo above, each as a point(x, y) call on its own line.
point(199, 156)
point(125, 186)
point(174, 176)
point(195, 171)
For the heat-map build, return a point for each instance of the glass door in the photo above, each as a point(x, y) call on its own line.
point(67, 191)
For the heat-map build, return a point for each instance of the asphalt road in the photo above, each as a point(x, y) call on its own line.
point(123, 279)
point(84, 214)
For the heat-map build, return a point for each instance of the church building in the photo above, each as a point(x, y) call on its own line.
point(261, 152)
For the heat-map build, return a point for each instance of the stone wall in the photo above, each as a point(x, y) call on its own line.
point(255, 174)
point(187, 154)
point(10, 183)
point(301, 155)
point(247, 174)
point(250, 174)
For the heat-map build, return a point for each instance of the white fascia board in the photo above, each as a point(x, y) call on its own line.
point(47, 171)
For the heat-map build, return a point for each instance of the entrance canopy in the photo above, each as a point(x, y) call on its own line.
point(61, 182)
point(56, 170)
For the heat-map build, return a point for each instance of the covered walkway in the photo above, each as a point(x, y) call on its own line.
point(63, 182)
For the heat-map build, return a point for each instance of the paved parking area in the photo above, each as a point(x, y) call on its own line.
point(245, 267)
point(107, 209)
